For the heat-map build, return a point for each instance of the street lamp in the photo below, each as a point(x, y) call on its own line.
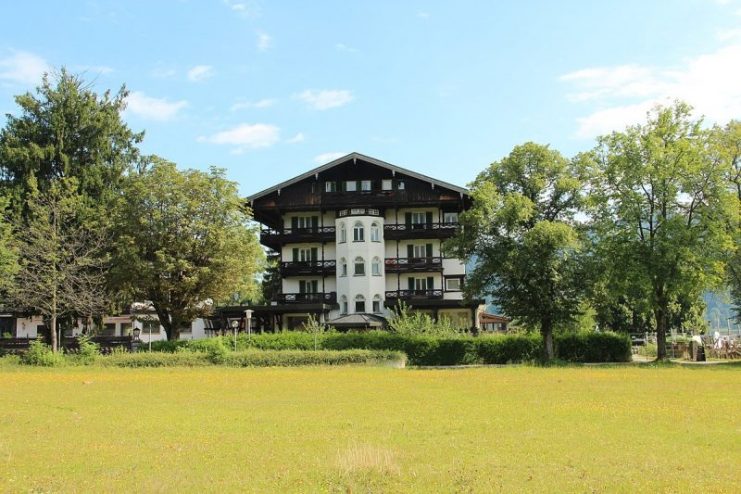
point(235, 325)
point(248, 317)
point(136, 332)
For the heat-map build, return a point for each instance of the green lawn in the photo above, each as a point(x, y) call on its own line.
point(353, 429)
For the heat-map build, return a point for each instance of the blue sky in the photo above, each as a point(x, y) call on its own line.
point(268, 90)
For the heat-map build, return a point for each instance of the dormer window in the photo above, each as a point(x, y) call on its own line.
point(365, 185)
point(351, 186)
point(386, 184)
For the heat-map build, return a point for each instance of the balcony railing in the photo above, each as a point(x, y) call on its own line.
point(419, 230)
point(308, 298)
point(414, 295)
point(407, 264)
point(311, 234)
point(296, 268)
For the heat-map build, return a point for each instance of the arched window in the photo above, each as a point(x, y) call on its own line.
point(376, 304)
point(343, 267)
point(376, 266)
point(358, 233)
point(359, 303)
point(343, 304)
point(343, 234)
point(375, 232)
point(359, 266)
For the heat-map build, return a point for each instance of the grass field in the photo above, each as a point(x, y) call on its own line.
point(353, 429)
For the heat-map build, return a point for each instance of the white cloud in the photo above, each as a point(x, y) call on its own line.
point(621, 95)
point(163, 72)
point(244, 8)
point(200, 73)
point(345, 48)
point(22, 67)
point(728, 34)
point(244, 105)
point(246, 136)
point(149, 108)
point(326, 99)
point(327, 157)
point(297, 138)
point(264, 41)
point(423, 15)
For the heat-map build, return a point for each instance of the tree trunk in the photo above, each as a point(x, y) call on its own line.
point(53, 332)
point(660, 314)
point(546, 330)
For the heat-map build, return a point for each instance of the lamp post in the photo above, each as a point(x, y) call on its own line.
point(235, 325)
point(248, 318)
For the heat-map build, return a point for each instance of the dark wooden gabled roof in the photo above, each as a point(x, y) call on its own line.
point(354, 157)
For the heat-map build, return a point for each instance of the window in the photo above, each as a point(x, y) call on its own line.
point(377, 304)
point(343, 304)
point(359, 266)
point(306, 254)
point(306, 222)
point(358, 233)
point(400, 186)
point(308, 286)
point(450, 217)
point(365, 185)
point(453, 284)
point(386, 184)
point(351, 186)
point(376, 267)
point(421, 284)
point(343, 234)
point(359, 303)
point(343, 267)
point(125, 329)
point(418, 218)
point(419, 251)
point(375, 232)
point(109, 329)
point(150, 326)
point(330, 186)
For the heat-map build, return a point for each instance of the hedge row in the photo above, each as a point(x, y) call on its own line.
point(430, 350)
point(253, 358)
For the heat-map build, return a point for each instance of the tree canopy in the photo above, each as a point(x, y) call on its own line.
point(184, 240)
point(522, 238)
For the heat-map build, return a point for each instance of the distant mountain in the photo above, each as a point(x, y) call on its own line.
point(719, 312)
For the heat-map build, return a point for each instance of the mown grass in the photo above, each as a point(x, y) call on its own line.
point(356, 429)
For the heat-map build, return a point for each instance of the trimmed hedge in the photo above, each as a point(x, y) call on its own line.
point(428, 350)
point(253, 358)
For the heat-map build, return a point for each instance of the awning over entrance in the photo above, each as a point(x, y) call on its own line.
point(358, 321)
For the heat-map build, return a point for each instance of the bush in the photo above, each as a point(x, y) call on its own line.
point(88, 351)
point(40, 354)
point(155, 359)
point(507, 349)
point(593, 347)
point(289, 358)
point(167, 346)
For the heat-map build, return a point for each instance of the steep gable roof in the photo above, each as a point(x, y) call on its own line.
point(367, 159)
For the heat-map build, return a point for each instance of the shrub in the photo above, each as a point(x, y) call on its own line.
point(40, 354)
point(593, 347)
point(286, 358)
point(88, 351)
point(413, 323)
point(154, 359)
point(506, 349)
point(167, 345)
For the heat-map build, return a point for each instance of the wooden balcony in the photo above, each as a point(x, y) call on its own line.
point(412, 295)
point(276, 238)
point(413, 264)
point(307, 298)
point(419, 230)
point(298, 268)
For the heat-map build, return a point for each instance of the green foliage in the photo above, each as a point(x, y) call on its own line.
point(662, 208)
point(409, 323)
point(594, 347)
point(88, 351)
point(155, 359)
point(522, 238)
point(41, 355)
point(507, 349)
point(184, 237)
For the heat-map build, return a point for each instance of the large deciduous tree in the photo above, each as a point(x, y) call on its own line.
point(662, 208)
point(184, 239)
point(521, 236)
point(63, 263)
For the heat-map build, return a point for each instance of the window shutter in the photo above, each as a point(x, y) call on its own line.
point(314, 286)
point(302, 286)
point(428, 217)
point(428, 247)
point(411, 283)
point(314, 253)
point(295, 254)
point(294, 222)
point(430, 283)
point(408, 219)
point(315, 222)
point(410, 251)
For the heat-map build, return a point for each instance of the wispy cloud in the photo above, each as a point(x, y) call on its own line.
point(245, 8)
point(246, 105)
point(345, 48)
point(264, 41)
point(327, 157)
point(297, 138)
point(244, 137)
point(621, 95)
point(326, 99)
point(161, 72)
point(149, 108)
point(22, 67)
point(423, 15)
point(200, 73)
